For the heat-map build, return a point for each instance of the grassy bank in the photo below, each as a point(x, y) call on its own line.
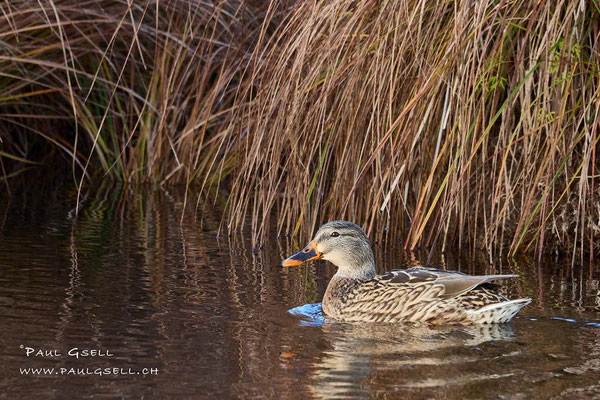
point(441, 124)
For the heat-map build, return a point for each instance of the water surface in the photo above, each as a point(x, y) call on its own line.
point(180, 309)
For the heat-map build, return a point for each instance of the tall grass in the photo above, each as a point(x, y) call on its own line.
point(128, 89)
point(470, 124)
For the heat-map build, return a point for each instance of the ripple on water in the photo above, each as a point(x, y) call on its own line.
point(310, 314)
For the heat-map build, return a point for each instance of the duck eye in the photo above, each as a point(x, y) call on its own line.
point(334, 234)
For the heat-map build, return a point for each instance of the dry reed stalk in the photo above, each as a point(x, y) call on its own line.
point(442, 124)
point(463, 122)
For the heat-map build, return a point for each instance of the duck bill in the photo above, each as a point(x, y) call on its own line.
point(308, 253)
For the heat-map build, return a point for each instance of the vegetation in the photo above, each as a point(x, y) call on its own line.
point(438, 123)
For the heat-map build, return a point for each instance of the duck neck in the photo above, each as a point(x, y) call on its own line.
point(341, 284)
point(362, 273)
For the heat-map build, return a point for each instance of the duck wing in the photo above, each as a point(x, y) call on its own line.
point(454, 283)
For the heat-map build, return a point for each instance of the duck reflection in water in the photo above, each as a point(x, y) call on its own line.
point(359, 357)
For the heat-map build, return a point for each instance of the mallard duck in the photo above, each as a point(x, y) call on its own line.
point(434, 296)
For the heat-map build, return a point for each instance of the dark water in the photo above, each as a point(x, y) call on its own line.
point(182, 314)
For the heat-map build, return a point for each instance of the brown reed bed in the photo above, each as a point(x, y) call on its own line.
point(469, 124)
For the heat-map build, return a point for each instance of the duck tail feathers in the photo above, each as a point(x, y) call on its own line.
point(498, 312)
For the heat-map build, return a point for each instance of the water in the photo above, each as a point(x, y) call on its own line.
point(181, 313)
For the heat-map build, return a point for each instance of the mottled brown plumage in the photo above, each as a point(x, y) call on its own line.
point(429, 295)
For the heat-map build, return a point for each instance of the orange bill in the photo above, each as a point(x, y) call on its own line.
point(308, 253)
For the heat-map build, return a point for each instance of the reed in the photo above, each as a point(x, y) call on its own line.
point(469, 124)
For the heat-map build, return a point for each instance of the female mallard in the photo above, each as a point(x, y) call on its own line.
point(429, 295)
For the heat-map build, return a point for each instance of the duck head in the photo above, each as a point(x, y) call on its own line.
point(342, 243)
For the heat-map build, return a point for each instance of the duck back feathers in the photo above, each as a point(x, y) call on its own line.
point(420, 295)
